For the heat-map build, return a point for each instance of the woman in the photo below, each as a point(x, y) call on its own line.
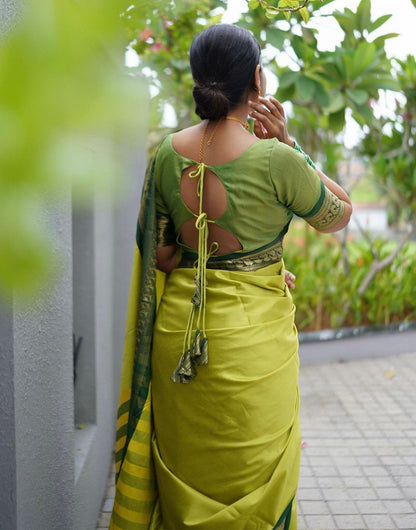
point(222, 451)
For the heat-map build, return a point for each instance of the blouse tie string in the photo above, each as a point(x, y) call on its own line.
point(195, 347)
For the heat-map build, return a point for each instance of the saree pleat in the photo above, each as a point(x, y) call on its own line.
point(226, 447)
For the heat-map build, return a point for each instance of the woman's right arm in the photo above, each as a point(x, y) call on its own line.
point(342, 195)
point(270, 122)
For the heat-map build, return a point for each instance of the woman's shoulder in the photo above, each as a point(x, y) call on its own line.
point(173, 142)
point(283, 156)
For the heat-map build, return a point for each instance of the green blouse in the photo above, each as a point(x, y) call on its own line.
point(265, 186)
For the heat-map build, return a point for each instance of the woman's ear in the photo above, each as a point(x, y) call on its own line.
point(257, 79)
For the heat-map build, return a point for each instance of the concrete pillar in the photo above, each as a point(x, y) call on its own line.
point(8, 513)
point(36, 392)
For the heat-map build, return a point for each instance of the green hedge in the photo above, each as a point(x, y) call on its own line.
point(326, 296)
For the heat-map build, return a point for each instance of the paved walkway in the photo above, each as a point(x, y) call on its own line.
point(359, 458)
point(358, 467)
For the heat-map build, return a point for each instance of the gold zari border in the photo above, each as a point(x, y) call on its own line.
point(331, 211)
point(248, 262)
point(165, 231)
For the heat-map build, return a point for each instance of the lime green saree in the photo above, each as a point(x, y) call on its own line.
point(221, 452)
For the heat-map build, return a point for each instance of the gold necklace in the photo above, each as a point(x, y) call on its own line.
point(243, 123)
point(210, 139)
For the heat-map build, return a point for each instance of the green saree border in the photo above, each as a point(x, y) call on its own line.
point(285, 518)
point(146, 239)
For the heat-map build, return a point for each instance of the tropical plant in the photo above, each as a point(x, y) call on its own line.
point(390, 146)
point(325, 297)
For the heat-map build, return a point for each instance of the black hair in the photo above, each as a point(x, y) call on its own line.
point(223, 61)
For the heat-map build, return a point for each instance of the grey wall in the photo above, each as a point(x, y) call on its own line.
point(53, 474)
point(57, 439)
point(8, 511)
point(83, 268)
point(44, 391)
point(114, 227)
point(9, 11)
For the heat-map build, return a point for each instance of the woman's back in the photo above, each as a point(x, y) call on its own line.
point(228, 144)
point(251, 188)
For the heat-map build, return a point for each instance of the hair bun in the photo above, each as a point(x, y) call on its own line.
point(210, 101)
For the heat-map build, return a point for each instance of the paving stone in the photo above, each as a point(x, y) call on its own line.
point(356, 482)
point(309, 494)
point(371, 507)
point(389, 493)
point(320, 522)
point(397, 506)
point(368, 461)
point(321, 461)
point(401, 471)
point(386, 450)
point(336, 494)
point(327, 471)
point(405, 521)
point(302, 523)
point(363, 494)
point(351, 471)
point(330, 482)
point(406, 482)
point(383, 482)
point(306, 470)
point(375, 471)
point(409, 493)
point(349, 522)
point(314, 507)
point(394, 460)
point(313, 450)
point(342, 507)
point(362, 451)
point(307, 482)
point(346, 451)
point(379, 522)
point(406, 451)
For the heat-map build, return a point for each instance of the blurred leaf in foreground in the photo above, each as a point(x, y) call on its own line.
point(66, 104)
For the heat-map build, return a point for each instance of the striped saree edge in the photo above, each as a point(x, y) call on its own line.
point(136, 485)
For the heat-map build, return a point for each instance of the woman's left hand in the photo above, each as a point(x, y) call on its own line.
point(269, 120)
point(290, 279)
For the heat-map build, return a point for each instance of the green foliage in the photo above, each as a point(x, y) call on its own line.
point(161, 33)
point(323, 289)
point(391, 148)
point(64, 102)
point(329, 83)
point(286, 8)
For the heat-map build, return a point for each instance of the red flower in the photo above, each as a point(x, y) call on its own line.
point(145, 34)
point(157, 46)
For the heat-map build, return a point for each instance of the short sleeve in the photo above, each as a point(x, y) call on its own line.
point(300, 189)
point(165, 227)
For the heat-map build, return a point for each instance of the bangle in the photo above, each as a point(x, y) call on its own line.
point(307, 157)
